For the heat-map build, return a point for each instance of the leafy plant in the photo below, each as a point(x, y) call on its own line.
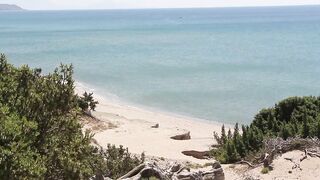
point(87, 102)
point(40, 136)
point(265, 170)
point(291, 117)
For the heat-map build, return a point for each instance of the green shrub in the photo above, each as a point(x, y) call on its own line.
point(265, 170)
point(86, 102)
point(40, 136)
point(294, 116)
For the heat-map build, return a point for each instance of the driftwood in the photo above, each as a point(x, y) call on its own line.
point(277, 146)
point(303, 158)
point(268, 158)
point(183, 169)
point(305, 155)
point(153, 172)
point(197, 154)
point(134, 171)
point(178, 172)
point(296, 165)
point(310, 146)
point(247, 163)
point(185, 136)
point(313, 152)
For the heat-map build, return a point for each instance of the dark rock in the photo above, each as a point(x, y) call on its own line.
point(185, 136)
point(155, 126)
point(197, 154)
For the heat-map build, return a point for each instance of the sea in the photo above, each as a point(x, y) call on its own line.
point(216, 64)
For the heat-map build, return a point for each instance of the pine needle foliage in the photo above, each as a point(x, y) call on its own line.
point(291, 117)
point(40, 136)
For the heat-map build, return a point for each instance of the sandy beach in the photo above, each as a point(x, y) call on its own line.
point(131, 127)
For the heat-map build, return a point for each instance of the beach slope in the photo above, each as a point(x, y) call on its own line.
point(132, 127)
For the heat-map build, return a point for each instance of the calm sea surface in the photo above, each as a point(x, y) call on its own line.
point(219, 64)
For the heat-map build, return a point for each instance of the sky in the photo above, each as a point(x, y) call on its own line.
point(131, 4)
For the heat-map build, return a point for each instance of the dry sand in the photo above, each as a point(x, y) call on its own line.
point(133, 130)
point(282, 169)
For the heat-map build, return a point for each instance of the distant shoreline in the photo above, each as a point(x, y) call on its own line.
point(177, 8)
point(10, 7)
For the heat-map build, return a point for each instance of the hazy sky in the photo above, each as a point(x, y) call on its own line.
point(119, 4)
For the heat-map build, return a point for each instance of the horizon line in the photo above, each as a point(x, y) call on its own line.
point(154, 8)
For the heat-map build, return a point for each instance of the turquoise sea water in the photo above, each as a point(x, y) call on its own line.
point(219, 64)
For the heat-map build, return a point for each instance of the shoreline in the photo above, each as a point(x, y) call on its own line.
point(132, 129)
point(116, 101)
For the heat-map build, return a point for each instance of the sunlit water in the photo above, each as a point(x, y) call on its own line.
point(219, 64)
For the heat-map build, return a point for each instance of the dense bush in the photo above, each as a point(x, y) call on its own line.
point(86, 102)
point(119, 161)
point(40, 136)
point(294, 116)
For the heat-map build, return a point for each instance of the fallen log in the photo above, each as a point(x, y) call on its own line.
point(148, 170)
point(134, 171)
point(311, 154)
point(246, 162)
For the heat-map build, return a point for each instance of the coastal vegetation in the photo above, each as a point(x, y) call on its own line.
point(40, 135)
point(294, 117)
